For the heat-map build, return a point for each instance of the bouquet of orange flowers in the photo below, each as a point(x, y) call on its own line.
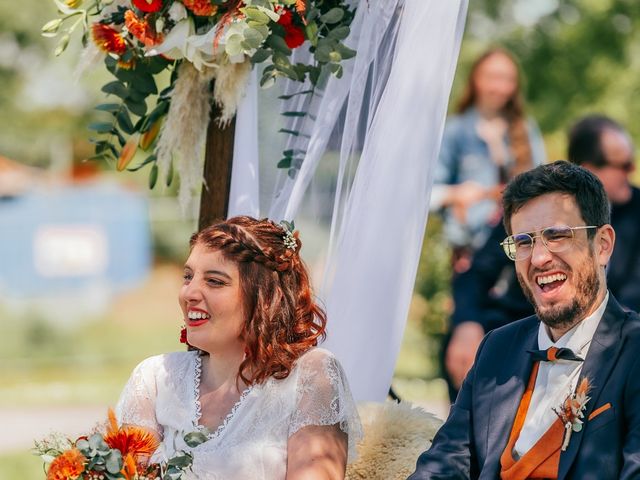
point(118, 452)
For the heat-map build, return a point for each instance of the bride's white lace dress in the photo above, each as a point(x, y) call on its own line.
point(251, 443)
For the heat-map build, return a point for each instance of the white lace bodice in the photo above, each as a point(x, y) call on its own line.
point(163, 394)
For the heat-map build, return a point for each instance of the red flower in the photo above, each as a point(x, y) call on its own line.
point(108, 39)
point(183, 335)
point(286, 18)
point(294, 36)
point(141, 29)
point(148, 6)
point(201, 8)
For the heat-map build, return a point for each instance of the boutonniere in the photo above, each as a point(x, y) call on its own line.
point(571, 412)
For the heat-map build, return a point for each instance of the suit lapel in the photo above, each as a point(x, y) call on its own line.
point(603, 355)
point(510, 385)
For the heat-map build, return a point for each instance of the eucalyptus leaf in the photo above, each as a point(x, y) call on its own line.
point(180, 461)
point(261, 55)
point(193, 439)
point(138, 108)
point(332, 16)
point(124, 121)
point(289, 97)
point(267, 80)
point(285, 162)
point(335, 57)
point(345, 51)
point(253, 38)
point(146, 161)
point(311, 30)
point(113, 461)
point(144, 83)
point(336, 69)
point(339, 33)
point(295, 133)
point(116, 88)
point(101, 127)
point(256, 15)
point(169, 179)
point(278, 44)
point(153, 176)
point(109, 107)
point(323, 53)
point(294, 114)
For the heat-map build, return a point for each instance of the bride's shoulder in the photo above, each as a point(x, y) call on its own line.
point(319, 360)
point(167, 362)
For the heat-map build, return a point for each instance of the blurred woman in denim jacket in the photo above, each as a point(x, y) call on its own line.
point(484, 145)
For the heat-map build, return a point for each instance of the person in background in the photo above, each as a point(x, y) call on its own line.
point(487, 142)
point(488, 294)
point(272, 404)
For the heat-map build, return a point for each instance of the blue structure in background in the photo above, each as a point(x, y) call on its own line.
point(66, 239)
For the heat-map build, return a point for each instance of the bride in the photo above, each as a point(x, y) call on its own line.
point(273, 404)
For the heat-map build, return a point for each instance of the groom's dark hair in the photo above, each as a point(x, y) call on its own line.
point(558, 177)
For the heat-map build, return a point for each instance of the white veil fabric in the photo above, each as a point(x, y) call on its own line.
point(244, 194)
point(384, 121)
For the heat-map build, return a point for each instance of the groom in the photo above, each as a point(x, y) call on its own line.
point(513, 418)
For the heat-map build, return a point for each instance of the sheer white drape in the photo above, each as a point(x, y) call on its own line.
point(244, 195)
point(385, 117)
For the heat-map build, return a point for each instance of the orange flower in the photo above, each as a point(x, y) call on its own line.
point(141, 29)
point(108, 39)
point(150, 135)
point(68, 465)
point(126, 155)
point(202, 8)
point(129, 439)
point(301, 8)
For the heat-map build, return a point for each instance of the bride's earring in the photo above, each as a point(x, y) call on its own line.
point(183, 335)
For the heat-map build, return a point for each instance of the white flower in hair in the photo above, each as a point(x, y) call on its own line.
point(289, 238)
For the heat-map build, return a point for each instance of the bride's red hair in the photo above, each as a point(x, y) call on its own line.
point(282, 319)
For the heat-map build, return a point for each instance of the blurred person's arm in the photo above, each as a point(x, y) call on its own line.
point(471, 291)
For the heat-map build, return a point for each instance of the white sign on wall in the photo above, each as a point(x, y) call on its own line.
point(70, 251)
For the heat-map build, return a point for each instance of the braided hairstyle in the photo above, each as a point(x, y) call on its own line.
point(282, 320)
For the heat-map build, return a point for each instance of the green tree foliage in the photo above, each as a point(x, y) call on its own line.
point(578, 56)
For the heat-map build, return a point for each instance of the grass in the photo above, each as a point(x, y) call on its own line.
point(21, 466)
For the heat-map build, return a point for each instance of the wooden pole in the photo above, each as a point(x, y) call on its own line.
point(214, 199)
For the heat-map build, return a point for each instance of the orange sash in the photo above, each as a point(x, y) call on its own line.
point(543, 459)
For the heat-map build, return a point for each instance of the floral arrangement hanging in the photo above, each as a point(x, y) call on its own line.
point(113, 452)
point(195, 41)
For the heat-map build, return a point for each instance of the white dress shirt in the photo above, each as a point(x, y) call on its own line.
point(556, 380)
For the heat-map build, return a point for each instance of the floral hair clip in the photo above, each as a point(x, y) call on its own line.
point(289, 238)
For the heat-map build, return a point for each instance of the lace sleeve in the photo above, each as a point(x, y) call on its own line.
point(323, 397)
point(137, 401)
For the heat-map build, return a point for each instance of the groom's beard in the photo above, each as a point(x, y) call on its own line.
point(574, 309)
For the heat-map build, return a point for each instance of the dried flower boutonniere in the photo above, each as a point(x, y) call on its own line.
point(571, 412)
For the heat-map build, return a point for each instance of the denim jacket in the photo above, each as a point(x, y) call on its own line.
point(465, 156)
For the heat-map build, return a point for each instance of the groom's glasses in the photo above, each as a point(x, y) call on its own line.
point(555, 239)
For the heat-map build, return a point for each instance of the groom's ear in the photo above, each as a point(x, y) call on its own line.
point(604, 242)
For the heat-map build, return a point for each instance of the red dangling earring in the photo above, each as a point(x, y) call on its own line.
point(183, 335)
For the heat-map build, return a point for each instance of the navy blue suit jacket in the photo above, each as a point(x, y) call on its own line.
point(470, 443)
